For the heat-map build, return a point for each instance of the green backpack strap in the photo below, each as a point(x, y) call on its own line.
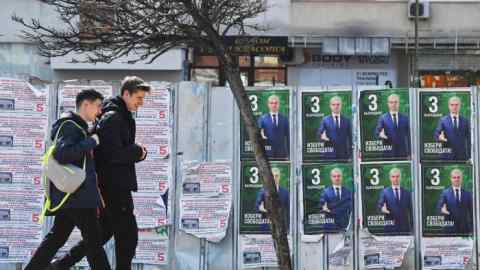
point(48, 203)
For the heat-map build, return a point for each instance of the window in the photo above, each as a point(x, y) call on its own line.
point(447, 79)
point(264, 70)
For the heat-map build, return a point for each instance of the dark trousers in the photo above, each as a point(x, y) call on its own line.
point(118, 221)
point(65, 220)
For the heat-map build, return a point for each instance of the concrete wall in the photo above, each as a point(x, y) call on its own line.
point(382, 18)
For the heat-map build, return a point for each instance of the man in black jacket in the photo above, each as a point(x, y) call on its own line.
point(75, 146)
point(115, 161)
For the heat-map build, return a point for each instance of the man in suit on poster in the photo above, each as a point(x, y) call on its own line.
point(284, 197)
point(393, 128)
point(336, 132)
point(336, 202)
point(275, 130)
point(395, 202)
point(456, 204)
point(453, 130)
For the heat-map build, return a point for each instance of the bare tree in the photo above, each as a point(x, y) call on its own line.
point(105, 30)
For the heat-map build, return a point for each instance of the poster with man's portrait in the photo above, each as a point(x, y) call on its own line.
point(271, 109)
point(327, 125)
point(447, 199)
point(327, 197)
point(385, 124)
point(445, 125)
point(387, 198)
point(253, 208)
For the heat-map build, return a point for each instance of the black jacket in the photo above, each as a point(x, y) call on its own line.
point(117, 153)
point(71, 148)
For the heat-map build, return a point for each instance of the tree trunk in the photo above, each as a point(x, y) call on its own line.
point(273, 205)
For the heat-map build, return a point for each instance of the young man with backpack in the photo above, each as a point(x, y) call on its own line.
point(74, 145)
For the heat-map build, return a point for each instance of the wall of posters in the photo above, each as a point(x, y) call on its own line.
point(385, 124)
point(327, 197)
point(272, 111)
point(327, 125)
point(447, 199)
point(253, 213)
point(23, 130)
point(153, 201)
point(387, 198)
point(445, 125)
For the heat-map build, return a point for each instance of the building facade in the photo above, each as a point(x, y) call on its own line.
point(19, 58)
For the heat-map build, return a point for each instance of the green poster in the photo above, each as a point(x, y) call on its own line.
point(253, 213)
point(387, 198)
point(385, 124)
point(327, 125)
point(447, 199)
point(327, 197)
point(271, 108)
point(445, 125)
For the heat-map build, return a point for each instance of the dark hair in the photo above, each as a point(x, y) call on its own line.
point(133, 84)
point(87, 94)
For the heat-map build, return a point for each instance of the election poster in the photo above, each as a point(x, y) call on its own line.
point(152, 246)
point(385, 124)
point(23, 133)
point(387, 198)
point(253, 211)
point(17, 244)
point(327, 197)
point(385, 252)
point(150, 210)
point(447, 199)
point(327, 125)
point(156, 106)
point(206, 199)
point(445, 125)
point(20, 171)
point(271, 109)
point(68, 93)
point(258, 251)
point(20, 97)
point(447, 253)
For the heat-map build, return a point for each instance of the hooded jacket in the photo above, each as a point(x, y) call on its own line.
point(74, 147)
point(117, 153)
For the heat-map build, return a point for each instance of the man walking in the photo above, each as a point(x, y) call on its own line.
point(74, 146)
point(115, 161)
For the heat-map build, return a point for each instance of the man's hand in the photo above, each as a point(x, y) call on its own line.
point(144, 150)
point(324, 137)
point(262, 133)
point(385, 209)
point(325, 208)
point(261, 208)
point(444, 210)
point(96, 138)
point(382, 134)
point(442, 137)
